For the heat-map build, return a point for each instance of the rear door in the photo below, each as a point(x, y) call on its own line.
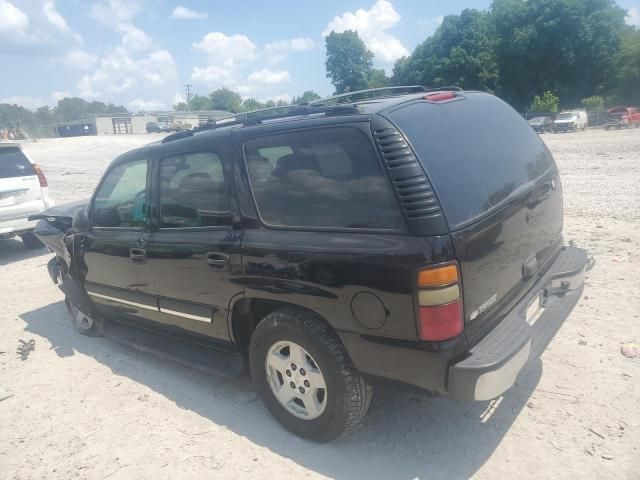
point(500, 191)
point(20, 193)
point(194, 252)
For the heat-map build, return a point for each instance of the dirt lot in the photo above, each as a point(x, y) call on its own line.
point(78, 407)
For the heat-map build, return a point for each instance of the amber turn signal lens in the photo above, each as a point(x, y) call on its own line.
point(436, 277)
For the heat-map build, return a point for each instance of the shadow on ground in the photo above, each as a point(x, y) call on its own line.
point(405, 436)
point(12, 250)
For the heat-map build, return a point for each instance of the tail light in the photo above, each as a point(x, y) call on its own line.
point(439, 296)
point(440, 96)
point(41, 177)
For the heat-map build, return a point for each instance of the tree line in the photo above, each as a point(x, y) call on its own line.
point(66, 110)
point(517, 49)
point(231, 101)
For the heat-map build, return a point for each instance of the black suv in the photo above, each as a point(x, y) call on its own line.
point(329, 246)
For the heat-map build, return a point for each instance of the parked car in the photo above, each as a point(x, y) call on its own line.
point(622, 117)
point(23, 192)
point(153, 127)
point(541, 124)
point(571, 121)
point(328, 247)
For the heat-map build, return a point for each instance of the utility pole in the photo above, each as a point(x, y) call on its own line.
point(188, 88)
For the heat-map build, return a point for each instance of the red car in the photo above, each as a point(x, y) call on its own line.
point(622, 117)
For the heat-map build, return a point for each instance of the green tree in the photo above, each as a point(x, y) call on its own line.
point(181, 107)
point(593, 103)
point(348, 61)
point(249, 104)
point(547, 103)
point(378, 79)
point(625, 82)
point(225, 99)
point(306, 97)
point(200, 102)
point(565, 46)
point(460, 53)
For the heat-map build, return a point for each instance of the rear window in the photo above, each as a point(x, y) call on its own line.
point(328, 177)
point(476, 152)
point(13, 163)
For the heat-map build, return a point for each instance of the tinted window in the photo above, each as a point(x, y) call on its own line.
point(122, 198)
point(13, 163)
point(476, 151)
point(321, 178)
point(193, 192)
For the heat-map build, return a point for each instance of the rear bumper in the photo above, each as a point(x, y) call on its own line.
point(16, 226)
point(10, 227)
point(491, 367)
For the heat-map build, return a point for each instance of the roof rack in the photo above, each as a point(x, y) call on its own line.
point(256, 117)
point(382, 92)
point(336, 104)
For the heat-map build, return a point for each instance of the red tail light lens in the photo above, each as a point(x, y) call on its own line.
point(41, 177)
point(439, 298)
point(441, 322)
point(440, 96)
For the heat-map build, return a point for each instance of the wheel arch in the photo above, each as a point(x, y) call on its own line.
point(245, 313)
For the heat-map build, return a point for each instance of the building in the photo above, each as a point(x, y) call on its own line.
point(125, 124)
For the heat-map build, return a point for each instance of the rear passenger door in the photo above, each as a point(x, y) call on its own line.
point(193, 252)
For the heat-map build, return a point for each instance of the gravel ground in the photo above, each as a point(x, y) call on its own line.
point(78, 407)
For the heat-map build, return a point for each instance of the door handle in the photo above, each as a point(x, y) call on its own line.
point(216, 259)
point(138, 255)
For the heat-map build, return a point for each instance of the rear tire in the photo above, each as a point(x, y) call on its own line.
point(300, 340)
point(30, 241)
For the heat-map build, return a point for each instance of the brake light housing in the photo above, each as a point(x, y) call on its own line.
point(439, 302)
point(41, 178)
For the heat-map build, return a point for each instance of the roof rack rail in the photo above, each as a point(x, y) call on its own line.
point(382, 92)
point(256, 117)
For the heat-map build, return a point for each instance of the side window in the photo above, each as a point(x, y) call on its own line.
point(327, 177)
point(122, 198)
point(193, 192)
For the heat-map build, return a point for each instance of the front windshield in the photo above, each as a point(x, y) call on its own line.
point(536, 121)
point(566, 116)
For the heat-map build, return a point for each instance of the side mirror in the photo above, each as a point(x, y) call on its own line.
point(81, 222)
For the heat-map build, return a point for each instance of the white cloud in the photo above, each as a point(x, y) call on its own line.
point(54, 18)
point(34, 28)
point(228, 50)
point(121, 73)
point(113, 13)
point(24, 101)
point(14, 21)
point(268, 77)
point(277, 51)
point(633, 17)
point(211, 75)
point(79, 59)
point(371, 25)
point(134, 39)
point(145, 105)
point(184, 13)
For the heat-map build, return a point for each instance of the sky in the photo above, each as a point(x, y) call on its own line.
point(142, 53)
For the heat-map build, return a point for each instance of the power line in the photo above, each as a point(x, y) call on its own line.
point(188, 88)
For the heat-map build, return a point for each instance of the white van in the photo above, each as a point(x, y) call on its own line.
point(571, 121)
point(23, 192)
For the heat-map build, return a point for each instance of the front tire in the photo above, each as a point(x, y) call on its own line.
point(30, 241)
point(83, 323)
point(305, 377)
